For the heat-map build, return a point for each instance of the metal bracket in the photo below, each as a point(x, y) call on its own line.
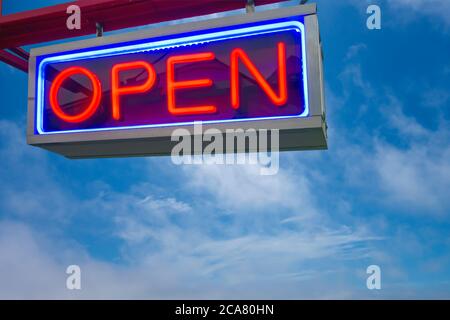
point(99, 29)
point(250, 6)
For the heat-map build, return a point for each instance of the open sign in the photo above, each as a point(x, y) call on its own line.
point(240, 71)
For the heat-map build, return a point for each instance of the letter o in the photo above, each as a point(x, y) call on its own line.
point(93, 105)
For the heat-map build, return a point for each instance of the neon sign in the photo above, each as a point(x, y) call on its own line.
point(249, 72)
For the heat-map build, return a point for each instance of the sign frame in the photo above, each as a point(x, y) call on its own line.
point(307, 133)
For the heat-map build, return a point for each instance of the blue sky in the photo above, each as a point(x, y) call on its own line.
point(146, 228)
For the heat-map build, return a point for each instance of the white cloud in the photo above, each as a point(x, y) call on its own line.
point(354, 50)
point(400, 164)
point(226, 229)
point(32, 267)
point(352, 77)
point(25, 172)
point(434, 8)
point(171, 248)
point(394, 160)
point(242, 188)
point(404, 12)
point(407, 126)
point(417, 177)
point(306, 265)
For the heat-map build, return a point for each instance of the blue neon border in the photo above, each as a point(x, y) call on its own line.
point(191, 39)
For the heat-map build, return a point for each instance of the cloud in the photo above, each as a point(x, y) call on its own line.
point(242, 188)
point(32, 267)
point(315, 266)
point(354, 50)
point(226, 231)
point(239, 232)
point(352, 78)
point(399, 164)
point(415, 173)
point(406, 126)
point(25, 172)
point(406, 163)
point(405, 12)
point(417, 177)
point(433, 8)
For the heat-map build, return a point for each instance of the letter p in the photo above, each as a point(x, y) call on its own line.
point(117, 90)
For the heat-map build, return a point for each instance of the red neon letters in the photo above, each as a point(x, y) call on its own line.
point(237, 54)
point(93, 105)
point(172, 85)
point(119, 90)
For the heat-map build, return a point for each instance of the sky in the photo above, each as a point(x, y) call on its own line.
point(145, 228)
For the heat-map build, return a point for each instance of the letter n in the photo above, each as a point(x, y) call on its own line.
point(240, 55)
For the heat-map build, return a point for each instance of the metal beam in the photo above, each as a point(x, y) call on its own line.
point(14, 60)
point(49, 23)
point(20, 52)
